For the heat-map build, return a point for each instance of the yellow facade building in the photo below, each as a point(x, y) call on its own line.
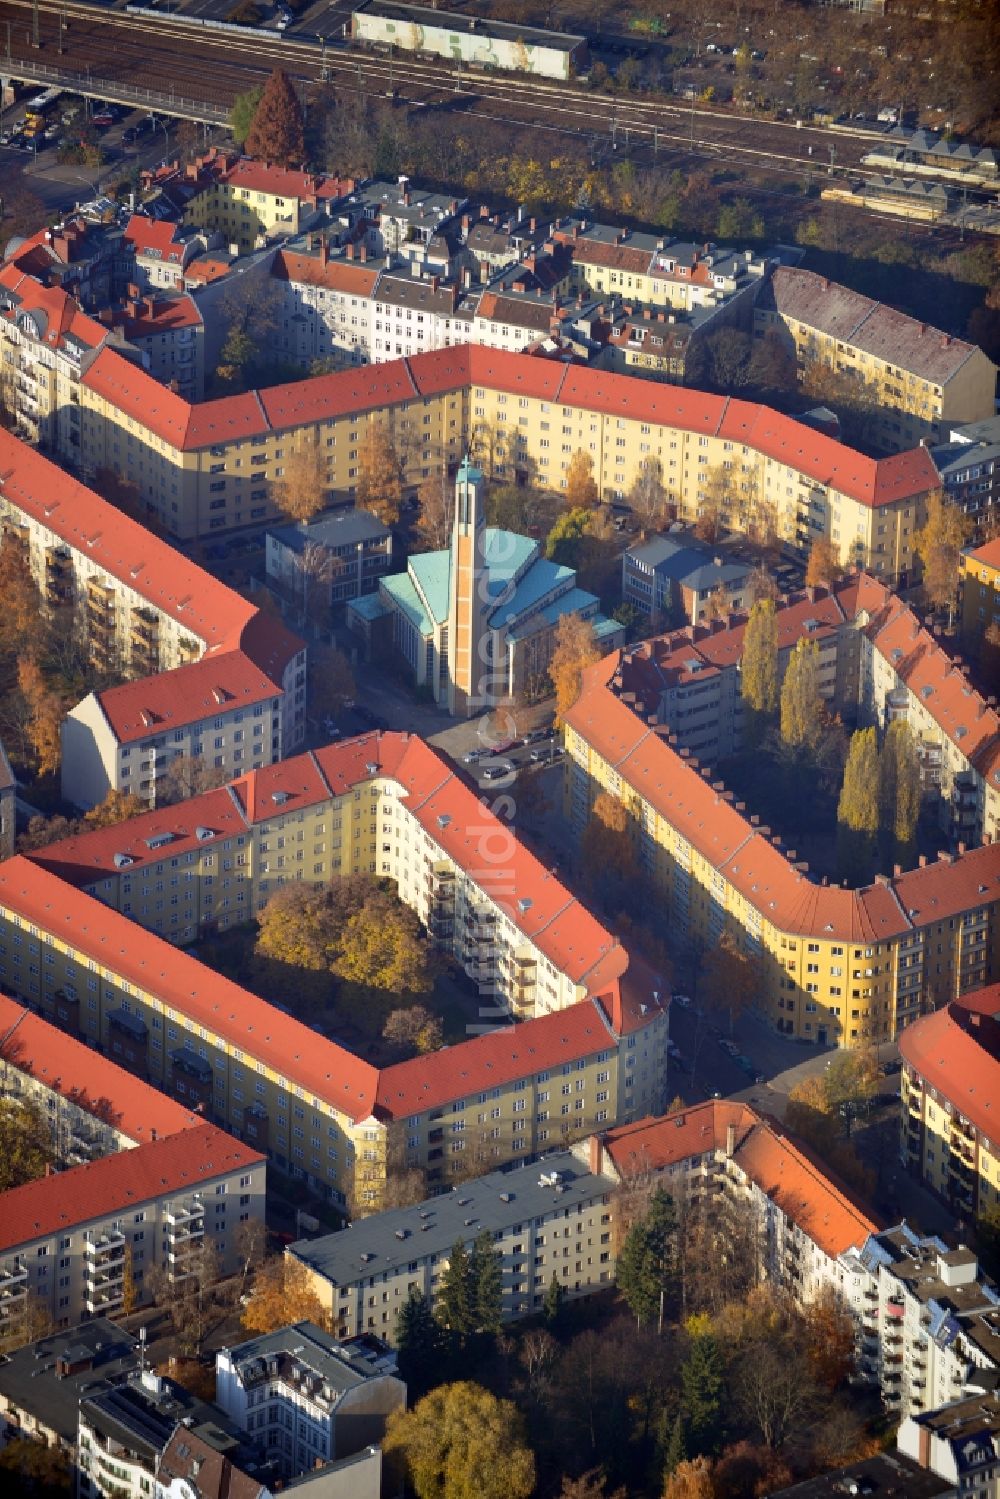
point(950, 1136)
point(210, 467)
point(918, 381)
point(836, 965)
point(980, 590)
point(91, 931)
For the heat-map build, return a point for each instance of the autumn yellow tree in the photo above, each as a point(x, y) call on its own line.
point(301, 489)
point(21, 603)
point(282, 1293)
point(939, 544)
point(829, 1338)
point(581, 487)
point(45, 715)
point(117, 806)
point(823, 566)
point(691, 1479)
point(575, 649)
point(436, 509)
point(459, 1441)
point(380, 946)
point(380, 485)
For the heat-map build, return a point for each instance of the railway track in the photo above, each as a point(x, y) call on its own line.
point(103, 48)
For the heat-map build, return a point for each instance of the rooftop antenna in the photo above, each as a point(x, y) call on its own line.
point(142, 1350)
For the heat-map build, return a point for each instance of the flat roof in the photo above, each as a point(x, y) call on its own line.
point(449, 20)
point(28, 1377)
point(888, 1473)
point(388, 1242)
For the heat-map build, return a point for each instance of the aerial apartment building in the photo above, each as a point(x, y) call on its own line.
point(142, 1181)
point(208, 467)
point(920, 382)
point(213, 676)
point(79, 933)
point(877, 664)
point(950, 1097)
point(837, 965)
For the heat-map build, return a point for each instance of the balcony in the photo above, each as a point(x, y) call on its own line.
point(182, 1216)
point(105, 1299)
point(13, 1285)
point(105, 1247)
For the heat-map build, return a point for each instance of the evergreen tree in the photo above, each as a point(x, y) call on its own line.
point(899, 789)
point(486, 1273)
point(646, 1260)
point(676, 1449)
point(857, 810)
point(456, 1301)
point(277, 134)
point(802, 708)
point(759, 665)
point(702, 1390)
point(636, 1274)
point(555, 1296)
point(418, 1345)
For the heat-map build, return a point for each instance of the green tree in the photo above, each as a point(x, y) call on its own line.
point(802, 708)
point(857, 809)
point(277, 134)
point(486, 1267)
point(25, 1143)
point(418, 1345)
point(461, 1442)
point(676, 1449)
point(646, 1262)
point(565, 542)
point(759, 665)
point(242, 113)
point(555, 1299)
point(456, 1303)
point(899, 789)
point(703, 1386)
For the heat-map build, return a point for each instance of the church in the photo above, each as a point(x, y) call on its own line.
point(476, 622)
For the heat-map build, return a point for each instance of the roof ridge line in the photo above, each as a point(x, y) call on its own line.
point(722, 417)
point(311, 757)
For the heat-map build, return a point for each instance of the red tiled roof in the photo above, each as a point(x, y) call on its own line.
point(167, 699)
point(785, 897)
point(622, 990)
point(348, 276)
point(58, 313)
point(120, 1182)
point(154, 966)
point(368, 388)
point(988, 554)
point(284, 182)
point(493, 1060)
point(822, 1208)
point(164, 316)
point(124, 549)
point(76, 1071)
point(957, 1051)
point(778, 437)
point(623, 257)
point(145, 234)
point(87, 858)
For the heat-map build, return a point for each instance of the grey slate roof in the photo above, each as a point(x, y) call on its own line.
point(390, 1241)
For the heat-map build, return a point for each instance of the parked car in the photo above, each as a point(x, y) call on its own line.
point(497, 772)
point(684, 1000)
point(473, 757)
point(533, 736)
